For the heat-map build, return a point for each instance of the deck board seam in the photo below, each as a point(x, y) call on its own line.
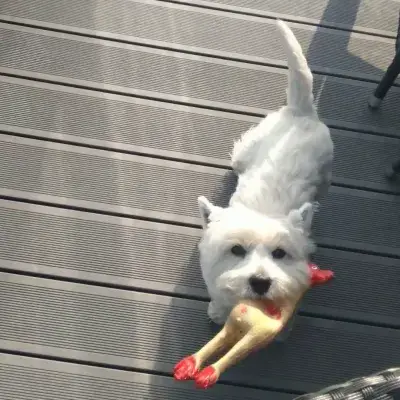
point(145, 97)
point(189, 104)
point(202, 53)
point(178, 223)
point(285, 17)
point(335, 182)
point(138, 370)
point(128, 152)
point(204, 299)
point(101, 212)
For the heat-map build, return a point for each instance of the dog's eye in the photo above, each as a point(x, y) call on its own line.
point(238, 250)
point(278, 253)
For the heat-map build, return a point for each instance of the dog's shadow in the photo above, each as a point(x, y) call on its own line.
point(225, 190)
point(185, 326)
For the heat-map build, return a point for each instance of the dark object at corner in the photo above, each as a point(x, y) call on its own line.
point(383, 385)
point(393, 170)
point(390, 76)
point(375, 100)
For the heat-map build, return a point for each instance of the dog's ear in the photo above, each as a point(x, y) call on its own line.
point(303, 216)
point(206, 209)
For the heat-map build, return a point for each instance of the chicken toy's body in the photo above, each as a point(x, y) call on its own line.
point(252, 324)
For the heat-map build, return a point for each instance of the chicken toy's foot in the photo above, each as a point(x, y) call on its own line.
point(206, 378)
point(185, 369)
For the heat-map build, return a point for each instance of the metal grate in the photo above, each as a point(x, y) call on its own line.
point(379, 386)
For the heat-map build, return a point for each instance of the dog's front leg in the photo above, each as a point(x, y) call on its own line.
point(218, 312)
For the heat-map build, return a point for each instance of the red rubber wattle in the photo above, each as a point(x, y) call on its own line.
point(319, 276)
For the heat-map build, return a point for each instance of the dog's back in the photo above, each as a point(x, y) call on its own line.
point(286, 160)
point(259, 246)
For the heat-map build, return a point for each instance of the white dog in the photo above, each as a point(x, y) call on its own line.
point(258, 247)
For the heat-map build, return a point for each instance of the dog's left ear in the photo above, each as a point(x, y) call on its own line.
point(303, 216)
point(206, 208)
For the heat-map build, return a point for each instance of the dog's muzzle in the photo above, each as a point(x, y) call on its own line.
point(259, 285)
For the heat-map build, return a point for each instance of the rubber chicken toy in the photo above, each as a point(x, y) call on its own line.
point(251, 325)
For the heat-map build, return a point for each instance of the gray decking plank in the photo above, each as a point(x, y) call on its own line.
point(107, 181)
point(121, 122)
point(86, 248)
point(130, 329)
point(89, 323)
point(184, 27)
point(169, 76)
point(79, 245)
point(70, 175)
point(28, 378)
point(168, 130)
point(371, 16)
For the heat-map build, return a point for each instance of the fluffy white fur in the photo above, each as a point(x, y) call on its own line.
point(284, 168)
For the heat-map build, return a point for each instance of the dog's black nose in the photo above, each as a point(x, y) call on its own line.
point(260, 285)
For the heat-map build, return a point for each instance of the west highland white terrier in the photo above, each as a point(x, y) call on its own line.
point(259, 246)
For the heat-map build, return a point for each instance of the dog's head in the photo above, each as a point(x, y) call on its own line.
point(248, 255)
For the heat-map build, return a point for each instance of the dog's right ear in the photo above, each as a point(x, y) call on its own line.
point(206, 208)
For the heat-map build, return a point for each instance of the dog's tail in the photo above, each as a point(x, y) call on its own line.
point(300, 81)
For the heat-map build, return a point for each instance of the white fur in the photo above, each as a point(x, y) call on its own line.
point(284, 167)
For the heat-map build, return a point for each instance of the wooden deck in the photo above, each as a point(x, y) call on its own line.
point(114, 116)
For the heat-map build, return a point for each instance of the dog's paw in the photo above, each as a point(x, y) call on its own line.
point(206, 378)
point(216, 313)
point(185, 369)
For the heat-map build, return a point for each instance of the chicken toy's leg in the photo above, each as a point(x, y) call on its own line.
point(190, 366)
point(251, 341)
